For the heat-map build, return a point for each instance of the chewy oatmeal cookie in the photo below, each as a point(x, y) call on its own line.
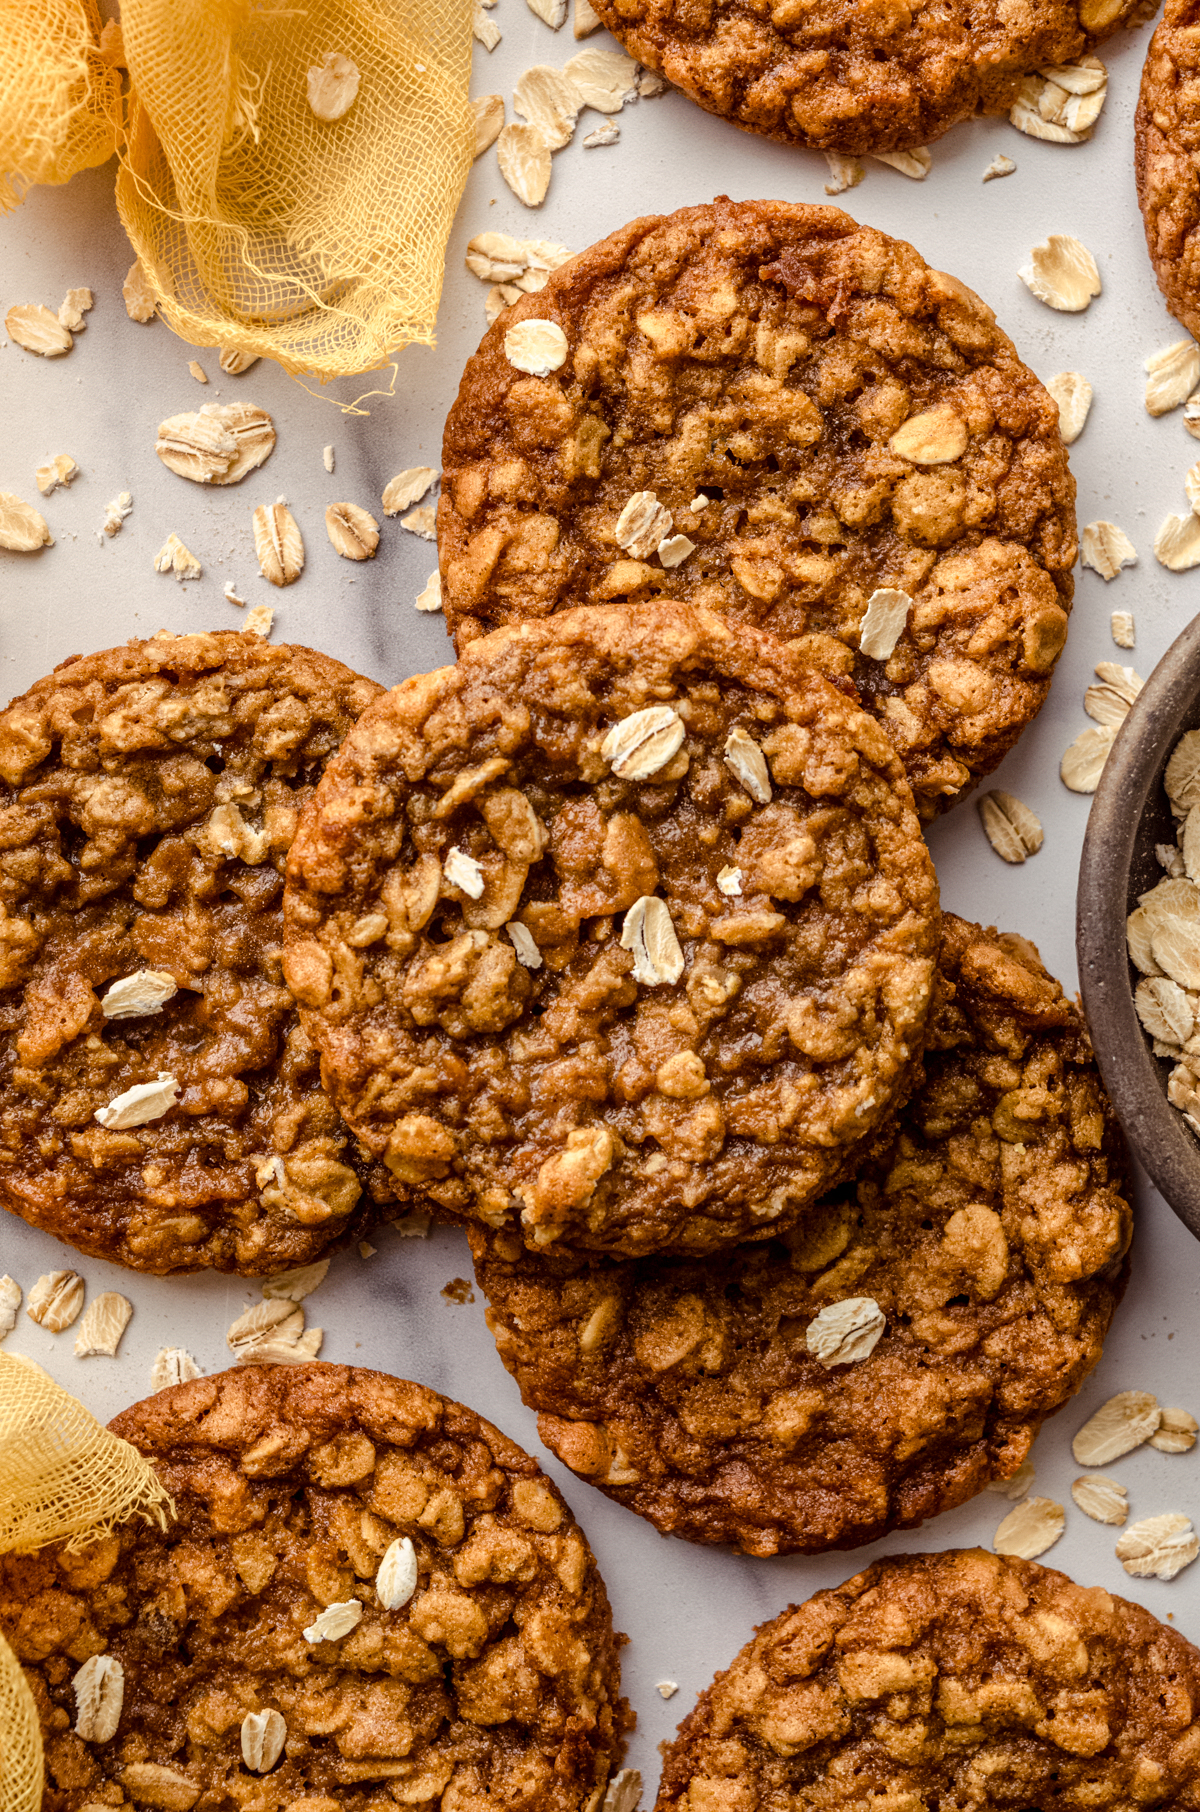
point(474, 1656)
point(961, 1680)
point(987, 1233)
point(1167, 139)
point(859, 75)
point(148, 797)
point(619, 932)
point(820, 417)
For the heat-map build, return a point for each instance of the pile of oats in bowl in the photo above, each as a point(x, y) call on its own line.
point(1163, 935)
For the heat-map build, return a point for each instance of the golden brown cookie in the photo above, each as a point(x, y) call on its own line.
point(620, 932)
point(894, 1353)
point(948, 1680)
point(767, 410)
point(368, 1596)
point(1167, 139)
point(160, 1103)
point(859, 75)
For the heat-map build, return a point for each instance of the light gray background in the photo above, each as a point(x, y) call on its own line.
point(686, 1609)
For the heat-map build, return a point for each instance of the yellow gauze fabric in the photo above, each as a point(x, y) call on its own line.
point(265, 229)
point(59, 102)
point(63, 1477)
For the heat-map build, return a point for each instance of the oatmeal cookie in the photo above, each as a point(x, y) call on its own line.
point(988, 1233)
point(955, 1680)
point(815, 416)
point(160, 1103)
point(858, 75)
point(1167, 140)
point(362, 1579)
point(619, 932)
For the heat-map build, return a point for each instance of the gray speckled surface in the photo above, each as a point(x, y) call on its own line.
point(686, 1609)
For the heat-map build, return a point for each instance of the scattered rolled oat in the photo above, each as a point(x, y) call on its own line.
point(366, 1249)
point(263, 1736)
point(333, 86)
point(141, 304)
point(55, 1300)
point(197, 370)
point(1013, 831)
point(294, 1286)
point(844, 1332)
point(73, 307)
point(217, 444)
point(1158, 1547)
point(524, 159)
point(1016, 1487)
point(99, 1689)
point(1177, 543)
point(1062, 102)
point(335, 1621)
point(22, 528)
point(748, 765)
point(485, 31)
point(528, 954)
point(236, 364)
point(608, 134)
point(884, 622)
point(327, 458)
point(105, 1320)
point(396, 1580)
point(1117, 1427)
point(550, 101)
point(1030, 1528)
point(915, 164)
point(407, 487)
point(60, 470)
point(624, 1791)
point(1172, 375)
point(845, 172)
point(115, 512)
point(1103, 1499)
point(1062, 273)
point(146, 991)
point(605, 79)
point(1176, 1432)
point(259, 620)
point(353, 532)
point(650, 84)
point(666, 1689)
point(643, 524)
point(172, 1365)
point(587, 19)
point(647, 931)
point(1109, 702)
point(1083, 760)
point(173, 557)
point(999, 166)
point(1122, 628)
point(431, 598)
point(10, 1303)
point(37, 330)
point(138, 1105)
point(551, 12)
point(278, 543)
point(641, 744)
point(421, 521)
point(540, 347)
point(1073, 394)
point(273, 1333)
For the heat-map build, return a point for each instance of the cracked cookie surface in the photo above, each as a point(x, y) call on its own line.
point(148, 797)
point(1167, 140)
point(959, 1679)
point(655, 1012)
point(820, 416)
point(495, 1683)
point(990, 1229)
point(847, 76)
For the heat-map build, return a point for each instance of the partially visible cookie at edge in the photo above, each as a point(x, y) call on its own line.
point(160, 1102)
point(979, 1257)
point(955, 1679)
point(368, 1595)
point(768, 410)
point(844, 76)
point(618, 933)
point(1167, 140)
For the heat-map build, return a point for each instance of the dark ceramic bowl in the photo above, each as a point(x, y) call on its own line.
point(1129, 816)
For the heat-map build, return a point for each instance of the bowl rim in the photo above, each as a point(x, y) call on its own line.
point(1155, 1129)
